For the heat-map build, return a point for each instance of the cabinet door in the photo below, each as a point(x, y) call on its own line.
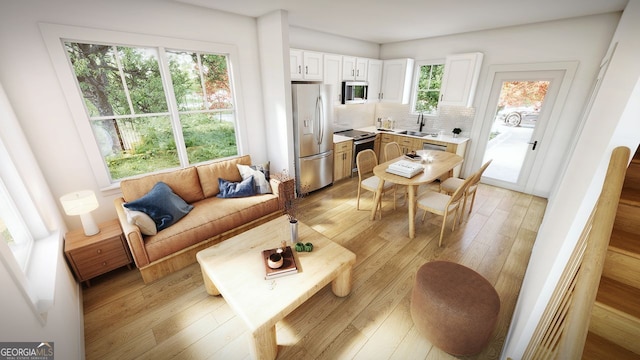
point(396, 80)
point(295, 62)
point(361, 69)
point(374, 78)
point(342, 159)
point(348, 68)
point(312, 62)
point(460, 78)
point(333, 75)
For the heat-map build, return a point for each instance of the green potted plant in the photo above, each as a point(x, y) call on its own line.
point(456, 132)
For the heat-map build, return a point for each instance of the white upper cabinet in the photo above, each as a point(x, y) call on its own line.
point(460, 79)
point(396, 81)
point(305, 65)
point(354, 69)
point(374, 78)
point(333, 75)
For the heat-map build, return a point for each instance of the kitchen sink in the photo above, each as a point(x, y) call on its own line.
point(416, 133)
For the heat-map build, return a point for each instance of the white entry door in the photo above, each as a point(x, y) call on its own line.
point(520, 106)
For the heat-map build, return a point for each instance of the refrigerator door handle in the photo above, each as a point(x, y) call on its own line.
point(318, 156)
point(319, 118)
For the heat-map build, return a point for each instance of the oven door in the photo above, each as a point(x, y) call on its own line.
point(358, 146)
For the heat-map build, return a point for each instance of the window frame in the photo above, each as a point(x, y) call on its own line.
point(416, 77)
point(56, 35)
point(34, 267)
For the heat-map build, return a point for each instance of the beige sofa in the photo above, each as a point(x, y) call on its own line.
point(211, 220)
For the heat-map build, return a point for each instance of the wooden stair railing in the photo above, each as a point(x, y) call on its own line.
point(563, 328)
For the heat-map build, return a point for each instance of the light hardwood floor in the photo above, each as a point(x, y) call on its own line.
point(174, 318)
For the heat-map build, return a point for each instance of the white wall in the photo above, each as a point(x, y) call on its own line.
point(583, 39)
point(305, 39)
point(612, 121)
point(31, 84)
point(274, 59)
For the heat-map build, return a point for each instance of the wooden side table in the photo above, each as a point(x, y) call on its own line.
point(90, 256)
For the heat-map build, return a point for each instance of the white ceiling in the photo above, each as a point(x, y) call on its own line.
point(385, 21)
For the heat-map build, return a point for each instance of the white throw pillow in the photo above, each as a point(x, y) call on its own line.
point(259, 178)
point(141, 220)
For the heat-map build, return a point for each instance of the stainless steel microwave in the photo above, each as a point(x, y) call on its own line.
point(354, 92)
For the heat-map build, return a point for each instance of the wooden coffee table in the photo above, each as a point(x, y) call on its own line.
point(234, 269)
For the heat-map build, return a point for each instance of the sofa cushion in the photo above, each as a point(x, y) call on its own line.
point(162, 205)
point(185, 183)
point(260, 175)
point(226, 169)
point(230, 189)
point(209, 217)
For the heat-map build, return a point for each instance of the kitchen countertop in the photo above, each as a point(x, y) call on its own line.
point(443, 138)
point(340, 138)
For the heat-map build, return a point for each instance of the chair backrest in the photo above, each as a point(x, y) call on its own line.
point(478, 174)
point(366, 160)
point(459, 193)
point(392, 151)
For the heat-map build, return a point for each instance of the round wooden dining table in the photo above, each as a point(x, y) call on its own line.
point(441, 166)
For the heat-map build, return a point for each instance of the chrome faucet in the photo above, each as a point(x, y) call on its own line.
point(421, 121)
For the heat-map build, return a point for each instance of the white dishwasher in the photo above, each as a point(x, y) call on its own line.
point(430, 146)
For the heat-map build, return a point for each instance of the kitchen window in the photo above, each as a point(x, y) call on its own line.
point(428, 81)
point(154, 108)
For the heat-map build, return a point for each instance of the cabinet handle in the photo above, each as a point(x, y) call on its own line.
point(358, 72)
point(99, 251)
point(353, 72)
point(306, 70)
point(299, 69)
point(104, 263)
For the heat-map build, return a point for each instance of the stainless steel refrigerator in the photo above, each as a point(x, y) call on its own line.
point(313, 136)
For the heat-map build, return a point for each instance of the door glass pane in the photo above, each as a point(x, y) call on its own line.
point(517, 111)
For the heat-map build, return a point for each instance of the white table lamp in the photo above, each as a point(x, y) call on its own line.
point(82, 203)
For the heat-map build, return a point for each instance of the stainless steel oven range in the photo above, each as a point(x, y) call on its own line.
point(361, 140)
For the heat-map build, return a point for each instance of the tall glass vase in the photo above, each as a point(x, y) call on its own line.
point(293, 224)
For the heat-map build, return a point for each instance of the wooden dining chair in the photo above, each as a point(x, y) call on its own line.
point(443, 204)
point(366, 160)
point(392, 151)
point(450, 185)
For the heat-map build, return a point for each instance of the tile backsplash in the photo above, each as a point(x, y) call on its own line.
point(363, 115)
point(448, 117)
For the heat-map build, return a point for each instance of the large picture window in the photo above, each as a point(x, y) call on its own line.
point(427, 87)
point(152, 108)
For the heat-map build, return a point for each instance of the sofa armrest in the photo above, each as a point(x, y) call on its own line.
point(132, 234)
point(284, 190)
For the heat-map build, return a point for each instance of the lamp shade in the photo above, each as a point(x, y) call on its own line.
point(79, 202)
point(82, 203)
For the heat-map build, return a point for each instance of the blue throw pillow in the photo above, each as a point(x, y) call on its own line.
point(230, 189)
point(162, 205)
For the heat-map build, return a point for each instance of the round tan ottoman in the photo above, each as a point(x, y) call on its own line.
point(454, 307)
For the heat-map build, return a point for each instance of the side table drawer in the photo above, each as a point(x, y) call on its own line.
point(97, 259)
